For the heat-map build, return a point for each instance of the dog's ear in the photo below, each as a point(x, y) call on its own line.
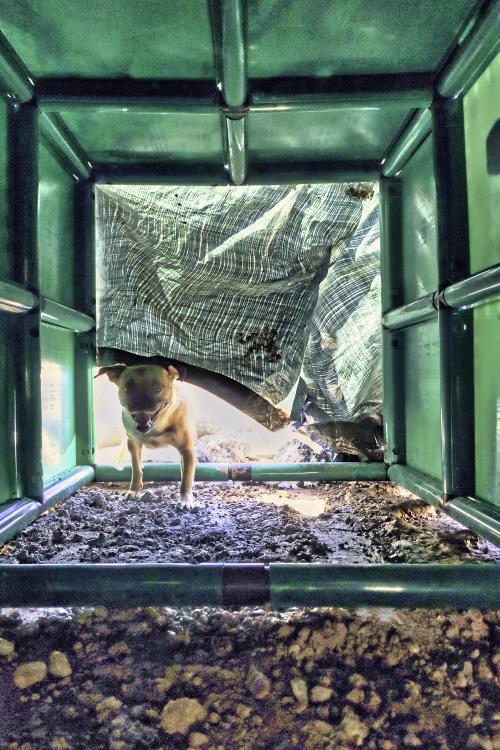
point(177, 373)
point(173, 371)
point(112, 372)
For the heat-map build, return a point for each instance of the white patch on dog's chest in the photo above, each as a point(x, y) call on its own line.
point(153, 441)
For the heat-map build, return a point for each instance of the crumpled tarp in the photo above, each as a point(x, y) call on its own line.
point(275, 287)
point(342, 363)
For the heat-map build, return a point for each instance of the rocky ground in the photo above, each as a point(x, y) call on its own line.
point(346, 522)
point(250, 680)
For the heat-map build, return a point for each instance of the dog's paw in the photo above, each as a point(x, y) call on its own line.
point(187, 501)
point(131, 494)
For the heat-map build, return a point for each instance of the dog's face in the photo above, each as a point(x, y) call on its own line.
point(145, 391)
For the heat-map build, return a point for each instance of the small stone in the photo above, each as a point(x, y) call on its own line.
point(163, 684)
point(464, 677)
point(59, 665)
point(299, 689)
point(317, 726)
point(89, 699)
point(6, 647)
point(97, 541)
point(139, 628)
point(484, 672)
point(357, 680)
point(285, 631)
point(58, 536)
point(439, 674)
point(117, 649)
point(24, 558)
point(214, 718)
point(356, 696)
point(258, 684)
point(320, 694)
point(179, 715)
point(100, 612)
point(353, 729)
point(458, 708)
point(59, 743)
point(124, 615)
point(197, 739)
point(411, 740)
point(243, 711)
point(304, 634)
point(29, 673)
point(111, 704)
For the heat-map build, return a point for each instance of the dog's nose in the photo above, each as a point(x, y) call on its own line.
point(144, 427)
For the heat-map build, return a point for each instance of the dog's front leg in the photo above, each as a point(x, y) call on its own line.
point(188, 464)
point(135, 455)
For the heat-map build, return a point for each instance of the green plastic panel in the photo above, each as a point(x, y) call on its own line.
point(153, 39)
point(419, 261)
point(422, 399)
point(482, 135)
point(8, 484)
point(343, 38)
point(319, 136)
point(8, 487)
point(55, 230)
point(58, 406)
point(128, 137)
point(4, 261)
point(487, 401)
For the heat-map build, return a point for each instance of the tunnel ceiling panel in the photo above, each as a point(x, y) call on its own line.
point(325, 38)
point(169, 39)
point(139, 46)
point(363, 134)
point(122, 137)
point(154, 39)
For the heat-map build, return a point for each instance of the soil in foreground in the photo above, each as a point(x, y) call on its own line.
point(249, 680)
point(344, 522)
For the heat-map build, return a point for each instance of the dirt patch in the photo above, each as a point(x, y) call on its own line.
point(343, 522)
point(249, 680)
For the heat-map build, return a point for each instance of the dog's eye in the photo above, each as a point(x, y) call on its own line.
point(157, 388)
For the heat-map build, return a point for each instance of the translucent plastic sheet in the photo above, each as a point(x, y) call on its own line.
point(275, 287)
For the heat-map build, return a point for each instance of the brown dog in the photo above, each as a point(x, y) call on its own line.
point(154, 416)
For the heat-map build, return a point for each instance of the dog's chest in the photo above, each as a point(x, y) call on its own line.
point(158, 440)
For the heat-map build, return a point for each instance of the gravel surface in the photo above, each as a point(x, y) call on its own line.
point(250, 680)
point(345, 522)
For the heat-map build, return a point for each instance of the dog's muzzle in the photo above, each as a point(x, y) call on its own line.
point(144, 428)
